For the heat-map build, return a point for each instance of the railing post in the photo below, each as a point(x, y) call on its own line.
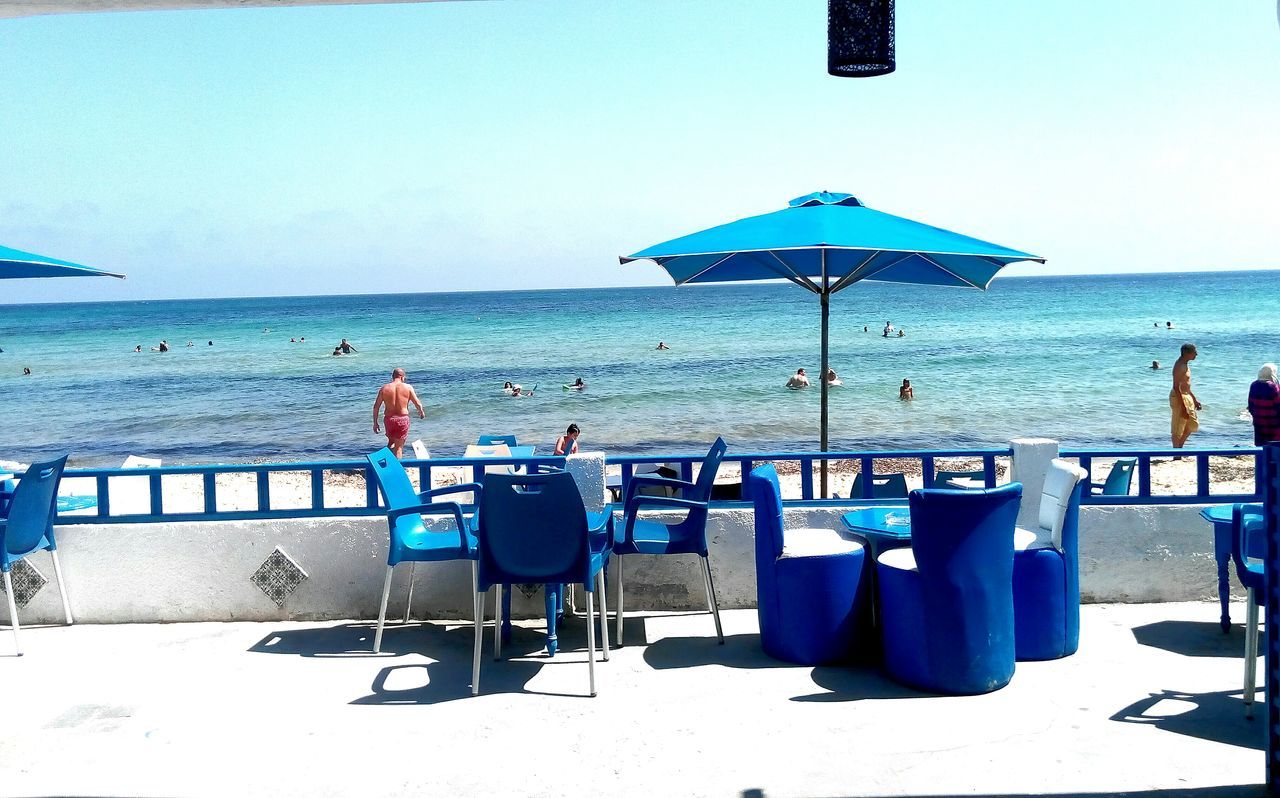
point(104, 496)
point(989, 470)
point(264, 492)
point(370, 488)
point(686, 470)
point(926, 471)
point(1202, 475)
point(1260, 474)
point(210, 481)
point(628, 470)
point(1086, 462)
point(1144, 475)
point(806, 479)
point(868, 478)
point(157, 495)
point(317, 489)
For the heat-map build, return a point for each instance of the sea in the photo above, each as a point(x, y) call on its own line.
point(1061, 357)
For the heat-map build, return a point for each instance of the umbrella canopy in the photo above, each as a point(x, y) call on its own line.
point(14, 264)
point(825, 242)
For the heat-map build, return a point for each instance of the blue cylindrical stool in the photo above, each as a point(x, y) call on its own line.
point(810, 591)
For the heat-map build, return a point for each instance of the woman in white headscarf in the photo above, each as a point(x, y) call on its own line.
point(1264, 405)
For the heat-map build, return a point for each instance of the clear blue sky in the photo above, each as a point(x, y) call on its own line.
point(476, 145)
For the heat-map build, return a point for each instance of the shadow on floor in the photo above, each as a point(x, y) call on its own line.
point(853, 682)
point(1225, 791)
point(1192, 638)
point(1217, 717)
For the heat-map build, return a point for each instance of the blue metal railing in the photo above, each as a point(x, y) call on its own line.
point(321, 504)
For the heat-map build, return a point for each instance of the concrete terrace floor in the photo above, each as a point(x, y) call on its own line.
point(1150, 705)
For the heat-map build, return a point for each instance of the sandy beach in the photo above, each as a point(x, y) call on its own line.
point(184, 493)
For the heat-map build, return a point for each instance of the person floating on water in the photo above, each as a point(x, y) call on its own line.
point(138, 348)
point(1183, 404)
point(1264, 405)
point(302, 340)
point(346, 347)
point(567, 443)
point(211, 343)
point(190, 344)
point(26, 372)
point(864, 328)
point(163, 347)
point(1155, 365)
point(578, 385)
point(798, 380)
point(293, 340)
point(395, 397)
point(832, 379)
point(662, 345)
point(906, 393)
point(902, 333)
point(516, 391)
point(337, 351)
point(1168, 325)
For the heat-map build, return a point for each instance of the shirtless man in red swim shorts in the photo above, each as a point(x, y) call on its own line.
point(396, 395)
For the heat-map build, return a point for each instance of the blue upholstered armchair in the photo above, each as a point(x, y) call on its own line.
point(1046, 569)
point(946, 603)
point(810, 591)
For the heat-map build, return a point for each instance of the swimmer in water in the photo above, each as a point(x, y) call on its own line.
point(798, 380)
point(662, 345)
point(831, 376)
point(337, 351)
point(906, 393)
point(211, 343)
point(578, 384)
point(26, 372)
point(1155, 365)
point(138, 348)
point(902, 333)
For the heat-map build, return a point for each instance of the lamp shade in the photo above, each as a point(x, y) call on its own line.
point(860, 38)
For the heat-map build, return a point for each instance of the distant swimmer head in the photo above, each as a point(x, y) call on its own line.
point(1155, 364)
point(1267, 372)
point(506, 386)
point(26, 372)
point(1168, 325)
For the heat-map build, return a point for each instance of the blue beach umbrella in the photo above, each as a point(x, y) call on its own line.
point(16, 264)
point(825, 242)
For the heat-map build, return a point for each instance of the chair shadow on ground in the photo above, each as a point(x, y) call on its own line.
point(857, 681)
point(1217, 717)
point(1192, 638)
point(446, 675)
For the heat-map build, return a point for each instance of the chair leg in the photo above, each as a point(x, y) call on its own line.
point(618, 637)
point(604, 613)
point(1250, 652)
point(408, 602)
point(497, 626)
point(591, 640)
point(382, 611)
point(477, 606)
point(62, 590)
point(13, 613)
point(711, 598)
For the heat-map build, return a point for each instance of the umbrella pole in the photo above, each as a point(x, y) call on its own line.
point(825, 298)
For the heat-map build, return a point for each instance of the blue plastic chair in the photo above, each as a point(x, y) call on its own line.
point(1046, 569)
point(1246, 521)
point(810, 591)
point(883, 486)
point(410, 540)
point(1118, 479)
point(27, 527)
point(534, 528)
point(688, 536)
point(946, 603)
point(943, 478)
point(494, 440)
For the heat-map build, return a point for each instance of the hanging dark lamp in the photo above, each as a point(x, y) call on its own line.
point(860, 38)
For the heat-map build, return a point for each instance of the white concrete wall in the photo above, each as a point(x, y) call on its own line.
point(199, 571)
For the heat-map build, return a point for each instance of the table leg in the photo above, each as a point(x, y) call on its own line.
point(1224, 593)
point(554, 593)
point(506, 612)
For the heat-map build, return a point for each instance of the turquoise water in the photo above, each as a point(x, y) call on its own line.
point(1061, 357)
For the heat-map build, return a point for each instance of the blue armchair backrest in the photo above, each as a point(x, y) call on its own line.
point(1246, 520)
point(393, 480)
point(533, 528)
point(762, 485)
point(494, 440)
point(883, 486)
point(707, 474)
point(1120, 478)
point(32, 506)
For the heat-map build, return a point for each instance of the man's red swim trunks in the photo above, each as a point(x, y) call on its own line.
point(397, 427)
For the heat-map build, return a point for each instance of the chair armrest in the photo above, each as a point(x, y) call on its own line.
point(640, 480)
point(474, 488)
point(435, 508)
point(657, 502)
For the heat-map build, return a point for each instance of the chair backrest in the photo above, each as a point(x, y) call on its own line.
point(32, 507)
point(492, 440)
point(420, 450)
point(1061, 493)
point(1120, 478)
point(491, 450)
point(944, 477)
point(393, 480)
point(533, 528)
point(883, 486)
point(707, 474)
point(766, 495)
point(963, 546)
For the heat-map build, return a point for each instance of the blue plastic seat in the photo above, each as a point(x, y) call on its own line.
point(943, 478)
point(810, 591)
point(27, 527)
point(883, 486)
point(495, 440)
point(410, 540)
point(946, 603)
point(687, 536)
point(534, 528)
point(1046, 569)
point(1118, 479)
point(1247, 522)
